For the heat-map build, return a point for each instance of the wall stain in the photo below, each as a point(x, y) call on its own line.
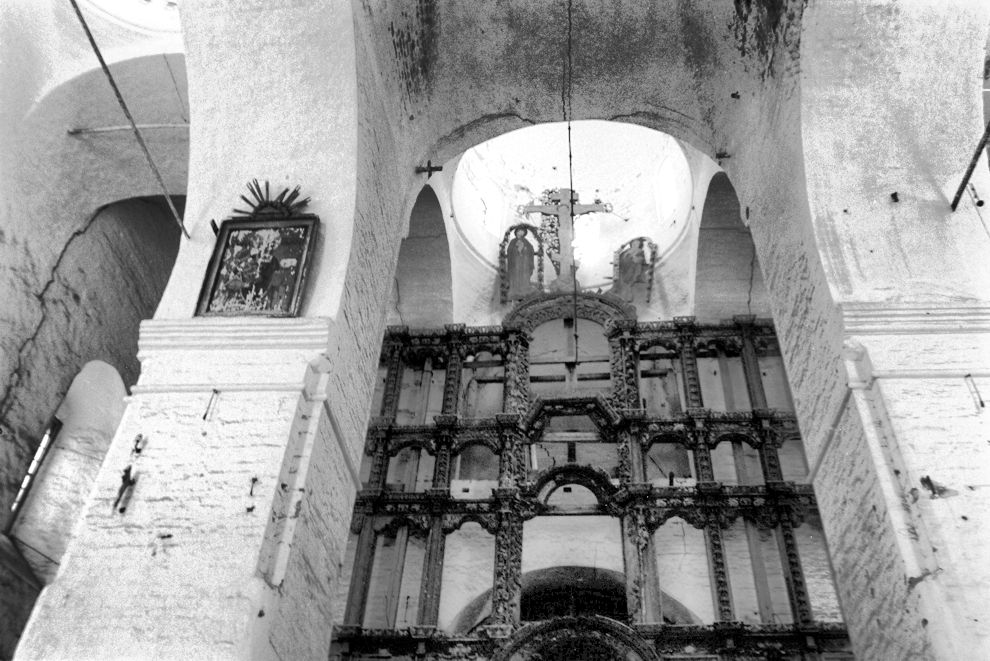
point(415, 37)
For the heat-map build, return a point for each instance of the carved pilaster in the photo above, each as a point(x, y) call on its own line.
point(378, 443)
point(719, 572)
point(642, 583)
point(455, 365)
point(393, 374)
point(429, 601)
point(750, 363)
point(364, 557)
point(445, 431)
point(511, 460)
point(689, 361)
point(507, 586)
point(624, 364)
point(516, 389)
point(704, 471)
point(797, 589)
point(632, 465)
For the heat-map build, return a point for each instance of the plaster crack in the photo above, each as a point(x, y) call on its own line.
point(17, 375)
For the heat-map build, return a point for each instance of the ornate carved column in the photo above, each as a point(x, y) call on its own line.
point(455, 364)
point(394, 350)
point(719, 572)
point(750, 362)
point(377, 447)
point(511, 459)
point(758, 397)
point(446, 426)
point(624, 364)
point(797, 589)
point(642, 582)
point(429, 601)
point(507, 585)
point(769, 457)
point(516, 389)
point(364, 557)
point(631, 446)
point(704, 471)
point(689, 361)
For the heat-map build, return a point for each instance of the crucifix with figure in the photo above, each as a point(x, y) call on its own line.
point(564, 205)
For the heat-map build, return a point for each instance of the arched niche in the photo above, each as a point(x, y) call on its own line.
point(422, 294)
point(109, 277)
point(728, 280)
point(62, 474)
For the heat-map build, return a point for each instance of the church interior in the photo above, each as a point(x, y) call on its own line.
point(494, 331)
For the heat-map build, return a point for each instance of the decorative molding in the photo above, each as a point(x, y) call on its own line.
point(234, 333)
point(914, 318)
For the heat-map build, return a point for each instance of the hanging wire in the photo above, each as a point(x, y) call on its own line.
point(130, 118)
point(175, 86)
point(568, 109)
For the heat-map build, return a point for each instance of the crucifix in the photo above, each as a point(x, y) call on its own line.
point(564, 205)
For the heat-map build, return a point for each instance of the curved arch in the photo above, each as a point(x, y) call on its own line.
point(752, 440)
point(541, 308)
point(585, 631)
point(597, 409)
point(594, 479)
point(681, 438)
point(425, 444)
point(53, 501)
point(466, 443)
point(108, 278)
point(423, 289)
point(486, 127)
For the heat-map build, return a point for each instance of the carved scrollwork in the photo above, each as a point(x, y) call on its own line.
point(594, 479)
point(507, 589)
point(599, 411)
point(488, 521)
point(541, 308)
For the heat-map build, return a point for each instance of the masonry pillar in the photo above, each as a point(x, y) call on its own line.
point(235, 528)
point(888, 367)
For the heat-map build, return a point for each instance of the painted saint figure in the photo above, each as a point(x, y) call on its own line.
point(520, 257)
point(633, 267)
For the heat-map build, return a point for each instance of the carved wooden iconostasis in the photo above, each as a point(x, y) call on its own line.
point(577, 484)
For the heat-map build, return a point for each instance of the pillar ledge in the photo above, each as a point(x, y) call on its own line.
point(868, 318)
point(910, 341)
point(230, 354)
point(241, 333)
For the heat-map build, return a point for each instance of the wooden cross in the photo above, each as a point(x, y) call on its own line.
point(565, 207)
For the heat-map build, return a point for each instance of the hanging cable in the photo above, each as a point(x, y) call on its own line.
point(127, 113)
point(568, 114)
point(175, 86)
